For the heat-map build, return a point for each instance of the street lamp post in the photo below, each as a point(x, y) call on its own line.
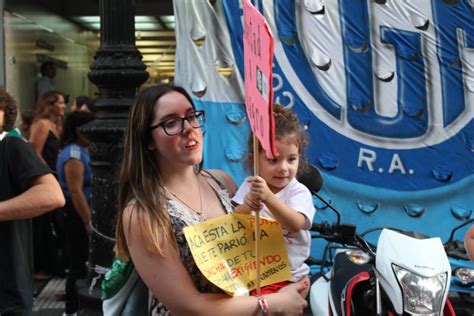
point(117, 71)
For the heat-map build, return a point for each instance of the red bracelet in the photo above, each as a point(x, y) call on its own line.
point(263, 305)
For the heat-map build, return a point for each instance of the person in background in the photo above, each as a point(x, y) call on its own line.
point(469, 242)
point(44, 137)
point(277, 194)
point(83, 104)
point(26, 120)
point(75, 175)
point(28, 189)
point(46, 82)
point(162, 189)
point(9, 112)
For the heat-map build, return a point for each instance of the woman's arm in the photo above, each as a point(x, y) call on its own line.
point(74, 174)
point(469, 242)
point(170, 282)
point(289, 218)
point(38, 135)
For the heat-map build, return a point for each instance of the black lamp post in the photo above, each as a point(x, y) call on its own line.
point(117, 71)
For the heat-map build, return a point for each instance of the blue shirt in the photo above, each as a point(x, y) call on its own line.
point(75, 151)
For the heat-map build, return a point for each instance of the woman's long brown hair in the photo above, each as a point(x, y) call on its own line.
point(140, 183)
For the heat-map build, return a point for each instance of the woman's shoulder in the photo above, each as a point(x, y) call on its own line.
point(72, 151)
point(223, 178)
point(41, 123)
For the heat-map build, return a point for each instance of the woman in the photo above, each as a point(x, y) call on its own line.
point(162, 189)
point(75, 175)
point(47, 126)
point(44, 137)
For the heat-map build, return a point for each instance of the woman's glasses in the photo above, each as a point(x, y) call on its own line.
point(175, 125)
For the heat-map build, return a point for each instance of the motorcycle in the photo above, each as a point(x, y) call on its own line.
point(406, 273)
point(462, 268)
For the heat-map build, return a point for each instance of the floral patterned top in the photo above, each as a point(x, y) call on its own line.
point(181, 217)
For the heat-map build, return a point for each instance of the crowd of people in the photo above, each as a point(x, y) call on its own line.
point(162, 189)
point(45, 196)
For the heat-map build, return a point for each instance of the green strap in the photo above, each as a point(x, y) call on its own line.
point(116, 278)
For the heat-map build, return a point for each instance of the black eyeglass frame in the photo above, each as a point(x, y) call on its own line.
point(198, 114)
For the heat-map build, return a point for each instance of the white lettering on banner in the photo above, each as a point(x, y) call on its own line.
point(368, 158)
point(396, 164)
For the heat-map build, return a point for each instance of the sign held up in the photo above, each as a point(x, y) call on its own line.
point(224, 250)
point(258, 60)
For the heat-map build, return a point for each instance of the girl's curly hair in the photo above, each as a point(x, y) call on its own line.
point(288, 129)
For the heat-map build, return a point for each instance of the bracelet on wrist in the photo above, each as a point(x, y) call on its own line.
point(262, 302)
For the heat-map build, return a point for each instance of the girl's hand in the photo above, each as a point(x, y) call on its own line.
point(259, 188)
point(252, 202)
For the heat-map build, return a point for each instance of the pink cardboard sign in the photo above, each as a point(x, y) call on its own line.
point(258, 60)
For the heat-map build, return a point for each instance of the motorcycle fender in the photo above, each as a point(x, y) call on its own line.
point(319, 296)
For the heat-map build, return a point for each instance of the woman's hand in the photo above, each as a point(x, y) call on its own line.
point(289, 300)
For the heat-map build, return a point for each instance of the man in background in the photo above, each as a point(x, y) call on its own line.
point(28, 189)
point(46, 82)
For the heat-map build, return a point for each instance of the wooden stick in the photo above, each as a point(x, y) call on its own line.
point(256, 172)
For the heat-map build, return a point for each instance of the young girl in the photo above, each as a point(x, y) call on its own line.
point(277, 193)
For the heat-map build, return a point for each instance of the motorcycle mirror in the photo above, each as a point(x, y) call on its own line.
point(313, 180)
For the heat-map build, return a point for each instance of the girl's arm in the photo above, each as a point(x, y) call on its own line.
point(170, 283)
point(74, 174)
point(38, 135)
point(289, 218)
point(469, 242)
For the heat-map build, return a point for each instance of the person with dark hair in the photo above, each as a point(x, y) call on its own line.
point(26, 120)
point(9, 112)
point(163, 189)
point(276, 193)
point(46, 82)
point(83, 104)
point(75, 175)
point(44, 137)
point(28, 189)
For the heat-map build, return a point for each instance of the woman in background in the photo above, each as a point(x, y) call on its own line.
point(44, 137)
point(75, 175)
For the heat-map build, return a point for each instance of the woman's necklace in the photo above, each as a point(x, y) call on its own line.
point(186, 204)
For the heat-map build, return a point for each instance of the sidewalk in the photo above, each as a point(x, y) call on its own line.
point(45, 303)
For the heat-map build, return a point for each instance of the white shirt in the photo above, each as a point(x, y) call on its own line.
point(298, 197)
point(44, 84)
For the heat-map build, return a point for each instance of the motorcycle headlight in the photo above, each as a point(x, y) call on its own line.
point(465, 275)
point(421, 295)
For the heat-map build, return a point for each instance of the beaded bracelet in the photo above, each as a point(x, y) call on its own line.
point(263, 305)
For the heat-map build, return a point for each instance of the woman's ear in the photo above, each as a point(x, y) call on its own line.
point(151, 145)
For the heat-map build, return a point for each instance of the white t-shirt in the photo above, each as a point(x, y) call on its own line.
point(298, 197)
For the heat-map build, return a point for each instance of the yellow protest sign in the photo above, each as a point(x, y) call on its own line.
point(224, 250)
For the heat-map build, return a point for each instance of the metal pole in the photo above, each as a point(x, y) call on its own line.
point(117, 71)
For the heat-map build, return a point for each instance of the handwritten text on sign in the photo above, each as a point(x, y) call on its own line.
point(224, 250)
point(258, 59)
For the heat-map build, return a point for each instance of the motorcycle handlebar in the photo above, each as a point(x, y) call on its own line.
point(342, 233)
